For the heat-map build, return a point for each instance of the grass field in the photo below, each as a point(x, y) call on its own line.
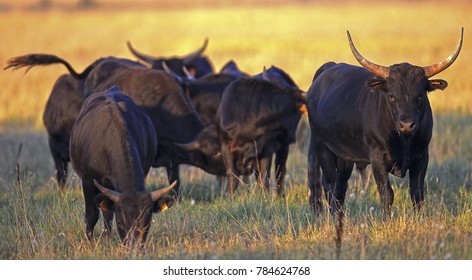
point(39, 223)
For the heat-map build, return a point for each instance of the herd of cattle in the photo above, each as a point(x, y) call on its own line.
point(118, 118)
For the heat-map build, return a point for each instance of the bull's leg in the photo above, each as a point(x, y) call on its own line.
point(262, 172)
point(417, 175)
point(60, 163)
point(343, 175)
point(220, 181)
point(107, 221)
point(91, 208)
point(327, 160)
point(314, 179)
point(231, 174)
point(280, 169)
point(173, 175)
point(383, 185)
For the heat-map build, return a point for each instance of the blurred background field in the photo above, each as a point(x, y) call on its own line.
point(298, 36)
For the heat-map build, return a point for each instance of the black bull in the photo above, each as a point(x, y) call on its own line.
point(373, 115)
point(112, 146)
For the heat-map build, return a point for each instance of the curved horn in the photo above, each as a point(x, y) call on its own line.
point(189, 58)
point(155, 195)
point(189, 147)
point(265, 76)
point(111, 194)
point(144, 57)
point(170, 72)
point(187, 73)
point(378, 70)
point(434, 69)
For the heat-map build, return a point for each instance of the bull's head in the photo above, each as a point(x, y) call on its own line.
point(406, 86)
point(195, 62)
point(133, 210)
point(205, 151)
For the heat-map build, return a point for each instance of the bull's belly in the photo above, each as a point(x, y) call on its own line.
point(349, 153)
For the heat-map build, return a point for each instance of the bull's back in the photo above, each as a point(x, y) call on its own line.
point(63, 105)
point(335, 111)
point(156, 92)
point(111, 132)
point(251, 107)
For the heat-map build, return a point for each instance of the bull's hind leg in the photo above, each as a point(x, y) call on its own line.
point(58, 149)
point(280, 169)
point(327, 161)
point(314, 179)
point(91, 208)
point(342, 178)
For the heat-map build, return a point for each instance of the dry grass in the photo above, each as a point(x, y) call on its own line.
point(296, 37)
point(39, 223)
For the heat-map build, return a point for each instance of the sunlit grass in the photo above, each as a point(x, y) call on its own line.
point(37, 222)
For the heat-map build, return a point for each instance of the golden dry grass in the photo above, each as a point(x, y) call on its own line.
point(298, 37)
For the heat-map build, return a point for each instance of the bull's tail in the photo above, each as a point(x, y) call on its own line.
point(31, 60)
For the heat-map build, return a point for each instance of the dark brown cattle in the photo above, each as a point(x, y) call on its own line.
point(112, 147)
point(370, 115)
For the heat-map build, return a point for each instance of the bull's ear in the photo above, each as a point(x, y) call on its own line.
point(376, 82)
point(162, 204)
point(103, 202)
point(436, 84)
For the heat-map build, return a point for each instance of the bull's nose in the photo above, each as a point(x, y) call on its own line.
point(406, 127)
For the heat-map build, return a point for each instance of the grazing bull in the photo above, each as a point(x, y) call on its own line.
point(257, 118)
point(112, 147)
point(60, 113)
point(370, 115)
point(197, 64)
point(159, 95)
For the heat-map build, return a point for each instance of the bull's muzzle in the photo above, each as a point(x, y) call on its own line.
point(406, 127)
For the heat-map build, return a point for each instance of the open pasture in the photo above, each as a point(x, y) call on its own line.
point(39, 223)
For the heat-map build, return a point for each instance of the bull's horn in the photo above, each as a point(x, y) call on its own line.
point(144, 57)
point(188, 147)
point(378, 70)
point(111, 194)
point(170, 72)
point(432, 70)
point(188, 59)
point(189, 75)
point(265, 76)
point(155, 195)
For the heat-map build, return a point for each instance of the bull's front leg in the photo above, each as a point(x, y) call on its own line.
point(173, 175)
point(91, 208)
point(417, 174)
point(262, 171)
point(380, 171)
point(231, 174)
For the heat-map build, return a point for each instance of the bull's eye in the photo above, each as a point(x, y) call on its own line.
point(391, 98)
